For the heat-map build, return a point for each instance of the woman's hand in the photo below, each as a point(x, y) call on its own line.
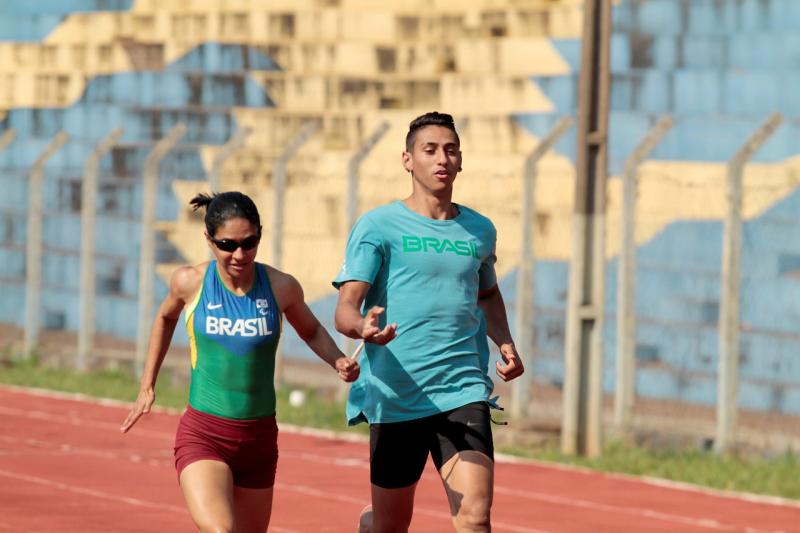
point(347, 368)
point(144, 402)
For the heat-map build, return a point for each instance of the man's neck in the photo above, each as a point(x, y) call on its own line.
point(437, 208)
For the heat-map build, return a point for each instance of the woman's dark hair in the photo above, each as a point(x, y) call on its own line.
point(434, 118)
point(223, 206)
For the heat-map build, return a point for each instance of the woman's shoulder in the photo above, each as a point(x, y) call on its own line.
point(277, 277)
point(284, 286)
point(187, 279)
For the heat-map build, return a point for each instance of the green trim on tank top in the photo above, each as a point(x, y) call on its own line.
point(252, 287)
point(196, 300)
point(274, 298)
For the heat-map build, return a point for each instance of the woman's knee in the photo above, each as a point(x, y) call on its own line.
point(211, 525)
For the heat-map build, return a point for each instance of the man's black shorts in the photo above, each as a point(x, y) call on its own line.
point(399, 450)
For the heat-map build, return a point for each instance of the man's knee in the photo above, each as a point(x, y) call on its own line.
point(391, 520)
point(365, 520)
point(473, 515)
point(390, 524)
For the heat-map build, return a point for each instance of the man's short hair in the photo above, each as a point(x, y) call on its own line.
point(434, 118)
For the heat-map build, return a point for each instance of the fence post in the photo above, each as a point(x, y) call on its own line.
point(279, 189)
point(33, 252)
point(626, 277)
point(353, 167)
point(525, 301)
point(581, 428)
point(147, 258)
point(351, 213)
point(228, 149)
point(278, 199)
point(87, 281)
point(728, 373)
point(7, 138)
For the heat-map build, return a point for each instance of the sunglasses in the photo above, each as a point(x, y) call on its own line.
point(230, 245)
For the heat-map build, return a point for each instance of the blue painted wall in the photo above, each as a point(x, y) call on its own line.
point(719, 68)
point(32, 20)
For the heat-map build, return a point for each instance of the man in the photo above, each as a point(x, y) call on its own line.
point(423, 267)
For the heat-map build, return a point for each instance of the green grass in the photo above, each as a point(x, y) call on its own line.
point(114, 384)
point(778, 476)
point(321, 409)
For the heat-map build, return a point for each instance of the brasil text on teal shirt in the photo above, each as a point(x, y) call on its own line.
point(427, 274)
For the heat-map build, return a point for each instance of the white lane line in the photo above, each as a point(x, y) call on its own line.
point(65, 450)
point(499, 489)
point(708, 523)
point(316, 493)
point(308, 457)
point(91, 492)
point(78, 422)
point(108, 496)
point(355, 463)
point(500, 458)
point(649, 480)
point(352, 462)
point(78, 397)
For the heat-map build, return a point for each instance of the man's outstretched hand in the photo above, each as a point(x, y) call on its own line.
point(371, 331)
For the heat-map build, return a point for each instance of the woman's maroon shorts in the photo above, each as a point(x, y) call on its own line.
point(248, 447)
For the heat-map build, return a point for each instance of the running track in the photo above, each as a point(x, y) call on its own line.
point(65, 467)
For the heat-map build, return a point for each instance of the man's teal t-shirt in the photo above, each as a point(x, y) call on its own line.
point(426, 273)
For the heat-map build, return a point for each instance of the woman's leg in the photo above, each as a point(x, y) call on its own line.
point(207, 487)
point(252, 509)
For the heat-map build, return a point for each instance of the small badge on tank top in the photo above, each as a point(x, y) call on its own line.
point(262, 305)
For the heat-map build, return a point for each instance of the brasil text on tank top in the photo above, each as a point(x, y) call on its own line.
point(233, 340)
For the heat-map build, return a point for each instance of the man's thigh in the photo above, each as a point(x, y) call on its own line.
point(464, 456)
point(468, 479)
point(465, 429)
point(398, 452)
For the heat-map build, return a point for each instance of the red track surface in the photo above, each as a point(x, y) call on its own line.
point(65, 467)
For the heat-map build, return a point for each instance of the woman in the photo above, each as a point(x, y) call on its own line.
point(226, 444)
